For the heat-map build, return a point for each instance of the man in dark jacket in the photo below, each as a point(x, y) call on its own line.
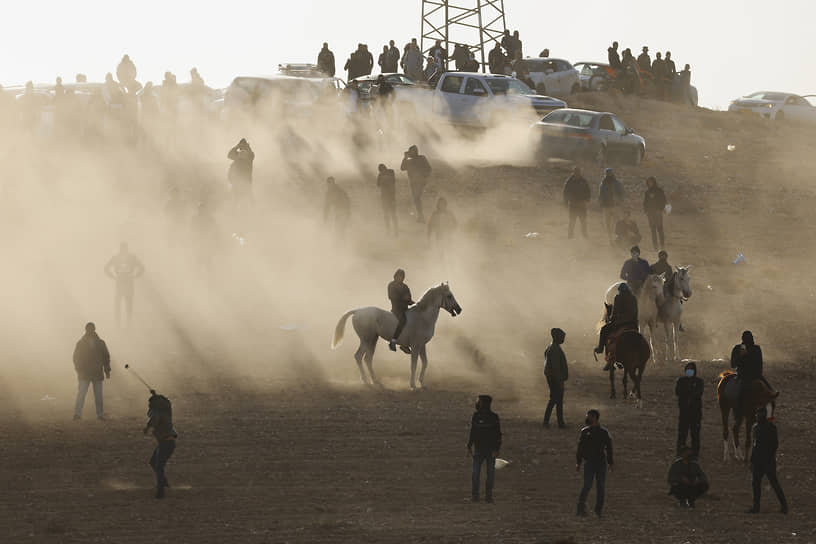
point(659, 76)
point(687, 480)
point(240, 171)
point(325, 61)
point(635, 271)
point(576, 198)
point(746, 358)
point(337, 201)
point(595, 451)
point(496, 60)
point(671, 73)
point(689, 391)
point(419, 170)
point(484, 445)
point(92, 365)
point(644, 61)
point(556, 372)
point(662, 265)
point(160, 420)
point(392, 58)
point(763, 460)
point(386, 182)
point(610, 197)
point(613, 56)
point(624, 315)
point(654, 204)
point(400, 296)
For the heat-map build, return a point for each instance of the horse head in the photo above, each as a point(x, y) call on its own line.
point(449, 303)
point(683, 280)
point(653, 288)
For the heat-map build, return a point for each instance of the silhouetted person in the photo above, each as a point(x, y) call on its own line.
point(240, 171)
point(368, 61)
point(610, 196)
point(196, 81)
point(391, 60)
point(685, 84)
point(412, 61)
point(671, 74)
point(689, 391)
point(626, 231)
point(337, 202)
point(92, 365)
point(442, 223)
point(419, 170)
point(635, 271)
point(687, 481)
point(471, 65)
point(124, 268)
point(484, 444)
point(545, 53)
point(659, 76)
point(400, 296)
point(746, 358)
point(126, 73)
point(325, 61)
point(356, 64)
point(654, 204)
point(662, 265)
point(496, 60)
point(644, 61)
point(576, 197)
point(624, 316)
point(507, 42)
point(382, 60)
point(557, 373)
point(595, 451)
point(518, 51)
point(160, 421)
point(613, 56)
point(763, 460)
point(432, 71)
point(386, 181)
point(439, 54)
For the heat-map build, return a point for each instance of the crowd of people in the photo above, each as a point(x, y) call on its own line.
point(632, 73)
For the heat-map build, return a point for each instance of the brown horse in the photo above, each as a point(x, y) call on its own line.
point(758, 395)
point(632, 352)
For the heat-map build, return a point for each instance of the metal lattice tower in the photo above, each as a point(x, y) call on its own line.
point(473, 26)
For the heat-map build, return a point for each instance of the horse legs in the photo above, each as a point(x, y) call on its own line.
point(414, 355)
point(625, 383)
point(735, 443)
point(369, 360)
point(724, 411)
point(651, 344)
point(636, 376)
point(612, 381)
point(423, 355)
point(749, 423)
point(358, 356)
point(675, 327)
point(666, 340)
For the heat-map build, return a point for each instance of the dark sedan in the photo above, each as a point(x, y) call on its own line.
point(584, 134)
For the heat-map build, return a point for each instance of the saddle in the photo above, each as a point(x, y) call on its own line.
point(612, 343)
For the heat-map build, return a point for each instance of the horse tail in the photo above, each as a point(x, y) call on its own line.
point(340, 329)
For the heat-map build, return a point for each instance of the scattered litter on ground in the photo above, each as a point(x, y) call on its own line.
point(740, 259)
point(49, 398)
point(731, 147)
point(531, 235)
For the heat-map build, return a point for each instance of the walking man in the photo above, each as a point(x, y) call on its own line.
point(160, 420)
point(576, 198)
point(610, 196)
point(763, 460)
point(654, 204)
point(484, 444)
point(595, 451)
point(124, 268)
point(689, 391)
point(418, 170)
point(400, 296)
point(92, 365)
point(556, 372)
point(386, 181)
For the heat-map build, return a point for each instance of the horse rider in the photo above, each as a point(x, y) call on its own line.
point(400, 296)
point(746, 358)
point(662, 265)
point(624, 316)
point(635, 271)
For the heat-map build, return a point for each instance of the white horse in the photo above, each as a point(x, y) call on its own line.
point(676, 289)
point(373, 323)
point(651, 296)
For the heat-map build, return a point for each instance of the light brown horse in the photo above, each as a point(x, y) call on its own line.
point(758, 395)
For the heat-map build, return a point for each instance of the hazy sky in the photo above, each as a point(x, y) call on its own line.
point(734, 47)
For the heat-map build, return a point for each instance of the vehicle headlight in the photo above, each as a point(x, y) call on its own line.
point(769, 106)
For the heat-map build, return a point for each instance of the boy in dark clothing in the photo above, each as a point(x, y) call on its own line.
point(485, 437)
point(556, 372)
point(160, 419)
point(689, 391)
point(687, 480)
point(763, 460)
point(595, 451)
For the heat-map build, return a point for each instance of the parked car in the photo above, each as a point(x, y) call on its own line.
point(776, 106)
point(584, 134)
point(555, 77)
point(291, 95)
point(473, 98)
point(409, 96)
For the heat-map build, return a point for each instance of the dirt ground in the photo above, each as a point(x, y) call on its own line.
point(280, 443)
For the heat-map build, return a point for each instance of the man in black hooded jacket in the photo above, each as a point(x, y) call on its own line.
point(92, 364)
point(486, 438)
point(689, 391)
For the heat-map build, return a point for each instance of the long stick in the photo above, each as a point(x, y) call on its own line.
point(127, 367)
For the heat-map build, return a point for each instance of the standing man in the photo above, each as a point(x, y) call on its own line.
point(595, 451)
point(644, 61)
point(91, 360)
point(412, 62)
point(439, 54)
point(576, 198)
point(386, 181)
point(337, 201)
point(367, 62)
point(392, 59)
point(556, 372)
point(763, 460)
point(670, 74)
point(689, 391)
point(160, 419)
point(442, 223)
point(610, 196)
point(613, 56)
point(325, 61)
point(486, 437)
point(662, 265)
point(659, 76)
point(635, 271)
point(687, 481)
point(496, 60)
point(418, 170)
point(124, 268)
point(654, 204)
point(239, 174)
point(400, 296)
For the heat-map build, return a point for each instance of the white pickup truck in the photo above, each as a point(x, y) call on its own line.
point(471, 98)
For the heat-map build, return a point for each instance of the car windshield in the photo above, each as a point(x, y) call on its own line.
point(569, 118)
point(508, 86)
point(773, 97)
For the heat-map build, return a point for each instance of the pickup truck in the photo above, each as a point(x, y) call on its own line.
point(471, 98)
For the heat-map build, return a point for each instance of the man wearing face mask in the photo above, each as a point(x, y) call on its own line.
point(689, 391)
point(595, 451)
point(486, 437)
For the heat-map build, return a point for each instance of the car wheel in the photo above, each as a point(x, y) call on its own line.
point(780, 116)
point(638, 157)
point(576, 88)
